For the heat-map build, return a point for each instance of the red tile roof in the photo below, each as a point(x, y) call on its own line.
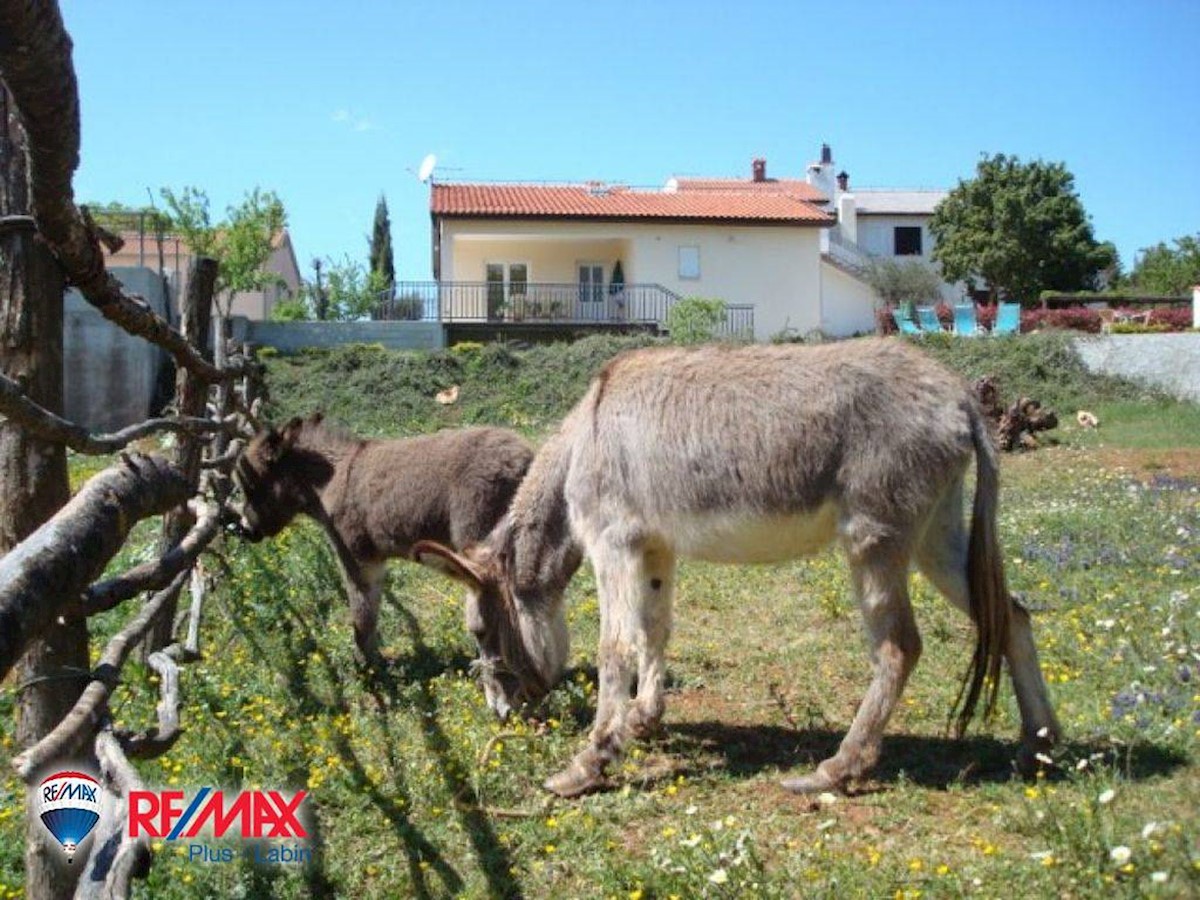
point(795, 187)
point(617, 203)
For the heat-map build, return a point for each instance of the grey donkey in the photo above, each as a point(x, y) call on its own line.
point(375, 499)
point(750, 455)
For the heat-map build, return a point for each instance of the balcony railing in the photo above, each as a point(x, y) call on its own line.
point(543, 303)
point(844, 251)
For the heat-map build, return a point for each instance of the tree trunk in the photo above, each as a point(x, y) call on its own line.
point(191, 396)
point(33, 480)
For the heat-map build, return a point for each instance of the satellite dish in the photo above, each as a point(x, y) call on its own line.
point(426, 171)
point(672, 186)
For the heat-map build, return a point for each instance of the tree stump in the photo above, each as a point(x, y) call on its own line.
point(1016, 426)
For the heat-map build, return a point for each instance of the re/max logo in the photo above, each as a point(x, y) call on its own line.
point(252, 814)
point(68, 791)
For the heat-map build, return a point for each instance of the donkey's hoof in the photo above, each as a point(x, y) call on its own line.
point(1034, 753)
point(814, 783)
point(575, 781)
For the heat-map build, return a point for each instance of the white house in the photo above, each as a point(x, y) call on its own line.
point(785, 254)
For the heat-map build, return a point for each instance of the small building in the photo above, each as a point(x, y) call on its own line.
point(144, 247)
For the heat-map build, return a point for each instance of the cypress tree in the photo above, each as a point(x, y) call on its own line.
point(382, 265)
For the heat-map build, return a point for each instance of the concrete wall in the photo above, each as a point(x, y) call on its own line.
point(774, 268)
point(110, 378)
point(292, 337)
point(847, 304)
point(1170, 362)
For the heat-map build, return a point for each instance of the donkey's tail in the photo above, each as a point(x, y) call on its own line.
point(989, 599)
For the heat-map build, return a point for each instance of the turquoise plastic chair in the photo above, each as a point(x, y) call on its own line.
point(928, 320)
point(964, 320)
point(904, 323)
point(1008, 319)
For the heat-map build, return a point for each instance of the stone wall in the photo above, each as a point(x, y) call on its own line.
point(1170, 362)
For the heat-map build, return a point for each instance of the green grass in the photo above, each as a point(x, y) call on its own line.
point(417, 791)
point(1149, 425)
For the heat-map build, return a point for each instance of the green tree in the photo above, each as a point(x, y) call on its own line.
point(241, 243)
point(351, 292)
point(695, 320)
point(1019, 227)
point(381, 262)
point(1168, 270)
point(903, 282)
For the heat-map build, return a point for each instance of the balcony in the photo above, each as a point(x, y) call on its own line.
point(546, 305)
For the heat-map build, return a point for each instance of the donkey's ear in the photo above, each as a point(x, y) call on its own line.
point(317, 417)
point(444, 560)
point(289, 433)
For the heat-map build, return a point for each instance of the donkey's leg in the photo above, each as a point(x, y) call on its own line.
point(658, 575)
point(942, 557)
point(624, 586)
point(880, 576)
point(365, 587)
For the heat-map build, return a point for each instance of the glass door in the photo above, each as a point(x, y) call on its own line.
point(495, 290)
point(591, 290)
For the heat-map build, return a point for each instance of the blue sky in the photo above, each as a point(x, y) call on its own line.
point(330, 104)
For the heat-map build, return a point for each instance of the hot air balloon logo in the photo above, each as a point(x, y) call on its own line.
point(69, 805)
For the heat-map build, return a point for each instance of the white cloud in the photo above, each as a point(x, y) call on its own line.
point(352, 120)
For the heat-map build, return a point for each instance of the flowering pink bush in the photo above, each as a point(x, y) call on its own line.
point(1075, 318)
point(1175, 319)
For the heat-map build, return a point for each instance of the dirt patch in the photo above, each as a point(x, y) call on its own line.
point(1182, 463)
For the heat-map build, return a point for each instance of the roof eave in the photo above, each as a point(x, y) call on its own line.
point(665, 220)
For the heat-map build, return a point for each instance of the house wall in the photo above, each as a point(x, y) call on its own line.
point(847, 303)
point(258, 304)
point(774, 268)
point(548, 260)
point(876, 234)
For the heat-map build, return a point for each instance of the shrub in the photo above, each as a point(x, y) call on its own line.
point(1175, 319)
point(1071, 319)
point(695, 320)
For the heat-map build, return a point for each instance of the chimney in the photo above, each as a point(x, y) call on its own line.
point(843, 181)
point(758, 169)
point(826, 154)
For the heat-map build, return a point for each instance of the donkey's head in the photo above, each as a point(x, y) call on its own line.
point(521, 633)
point(275, 479)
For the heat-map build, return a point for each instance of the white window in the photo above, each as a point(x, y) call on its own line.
point(689, 262)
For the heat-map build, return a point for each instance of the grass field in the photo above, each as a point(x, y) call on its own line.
point(417, 791)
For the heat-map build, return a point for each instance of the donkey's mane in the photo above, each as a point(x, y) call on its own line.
point(316, 430)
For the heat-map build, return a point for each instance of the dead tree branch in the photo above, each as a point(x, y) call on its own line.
point(49, 570)
point(43, 424)
point(116, 858)
point(81, 722)
point(161, 738)
point(157, 573)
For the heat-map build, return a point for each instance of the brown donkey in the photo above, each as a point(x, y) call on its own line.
point(749, 455)
point(376, 499)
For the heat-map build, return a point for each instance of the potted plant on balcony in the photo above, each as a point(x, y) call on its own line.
point(616, 290)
